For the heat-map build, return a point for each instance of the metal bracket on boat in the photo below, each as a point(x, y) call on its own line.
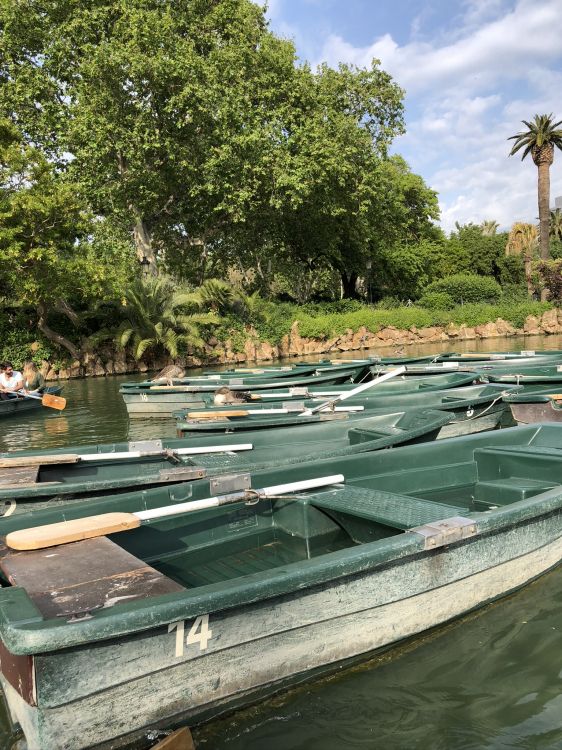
point(293, 405)
point(236, 381)
point(145, 445)
point(182, 474)
point(440, 533)
point(299, 390)
point(226, 483)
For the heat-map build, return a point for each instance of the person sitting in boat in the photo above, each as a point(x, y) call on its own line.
point(11, 381)
point(33, 380)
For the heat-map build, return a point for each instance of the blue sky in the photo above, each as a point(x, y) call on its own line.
point(471, 69)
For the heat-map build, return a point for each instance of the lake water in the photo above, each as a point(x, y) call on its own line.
point(492, 680)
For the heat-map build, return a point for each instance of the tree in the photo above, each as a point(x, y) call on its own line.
point(556, 224)
point(48, 240)
point(155, 321)
point(539, 139)
point(483, 251)
point(523, 242)
point(489, 227)
point(170, 111)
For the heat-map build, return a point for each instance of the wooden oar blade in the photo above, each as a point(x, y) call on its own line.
point(54, 402)
point(75, 530)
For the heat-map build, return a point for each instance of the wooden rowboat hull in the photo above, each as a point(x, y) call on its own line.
point(239, 601)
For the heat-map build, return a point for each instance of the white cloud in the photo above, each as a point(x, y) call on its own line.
point(460, 106)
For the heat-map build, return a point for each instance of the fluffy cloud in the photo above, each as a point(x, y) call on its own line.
point(465, 97)
point(469, 82)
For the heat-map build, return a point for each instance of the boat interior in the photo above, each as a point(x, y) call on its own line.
point(216, 546)
point(383, 495)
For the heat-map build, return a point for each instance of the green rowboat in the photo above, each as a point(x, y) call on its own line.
point(15, 407)
point(187, 615)
point(61, 475)
point(473, 408)
point(161, 401)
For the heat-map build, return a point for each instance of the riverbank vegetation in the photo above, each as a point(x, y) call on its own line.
point(172, 174)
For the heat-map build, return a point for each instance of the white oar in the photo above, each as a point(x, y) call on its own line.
point(173, 452)
point(74, 458)
point(234, 413)
point(78, 529)
point(354, 392)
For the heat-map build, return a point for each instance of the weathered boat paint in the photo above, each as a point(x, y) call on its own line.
point(144, 663)
point(532, 406)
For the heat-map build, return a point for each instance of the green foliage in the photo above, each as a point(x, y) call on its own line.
point(514, 293)
point(389, 303)
point(511, 270)
point(550, 273)
point(467, 288)
point(436, 301)
point(154, 322)
point(482, 246)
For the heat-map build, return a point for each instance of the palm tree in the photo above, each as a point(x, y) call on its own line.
point(523, 241)
point(556, 224)
point(540, 138)
point(489, 227)
point(154, 319)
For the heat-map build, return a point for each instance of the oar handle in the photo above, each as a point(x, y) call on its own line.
point(191, 506)
point(355, 391)
point(89, 527)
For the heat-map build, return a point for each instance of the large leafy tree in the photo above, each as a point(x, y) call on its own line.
point(540, 138)
point(168, 110)
point(48, 241)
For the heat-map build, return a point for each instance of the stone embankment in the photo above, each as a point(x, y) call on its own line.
point(294, 345)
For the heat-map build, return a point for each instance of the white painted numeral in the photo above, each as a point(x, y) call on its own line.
point(201, 624)
point(180, 628)
point(198, 633)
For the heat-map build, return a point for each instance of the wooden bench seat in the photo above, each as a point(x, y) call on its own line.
point(387, 508)
point(75, 579)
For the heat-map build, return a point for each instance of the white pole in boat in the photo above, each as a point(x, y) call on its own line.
point(77, 529)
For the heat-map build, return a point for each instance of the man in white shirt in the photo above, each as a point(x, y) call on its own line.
point(10, 380)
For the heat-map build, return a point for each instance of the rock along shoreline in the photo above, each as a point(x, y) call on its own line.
point(110, 362)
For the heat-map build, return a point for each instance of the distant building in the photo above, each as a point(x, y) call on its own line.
point(558, 202)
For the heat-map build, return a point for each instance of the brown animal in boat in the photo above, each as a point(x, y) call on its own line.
point(168, 374)
point(226, 396)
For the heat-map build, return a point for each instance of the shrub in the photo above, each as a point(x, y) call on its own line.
point(514, 293)
point(550, 273)
point(388, 303)
point(437, 301)
point(467, 288)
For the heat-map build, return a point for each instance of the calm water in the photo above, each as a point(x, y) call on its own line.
point(490, 681)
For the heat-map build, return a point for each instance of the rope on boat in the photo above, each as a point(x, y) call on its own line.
point(480, 414)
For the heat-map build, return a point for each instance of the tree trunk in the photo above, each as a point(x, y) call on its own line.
point(56, 338)
point(144, 247)
point(349, 282)
point(544, 209)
